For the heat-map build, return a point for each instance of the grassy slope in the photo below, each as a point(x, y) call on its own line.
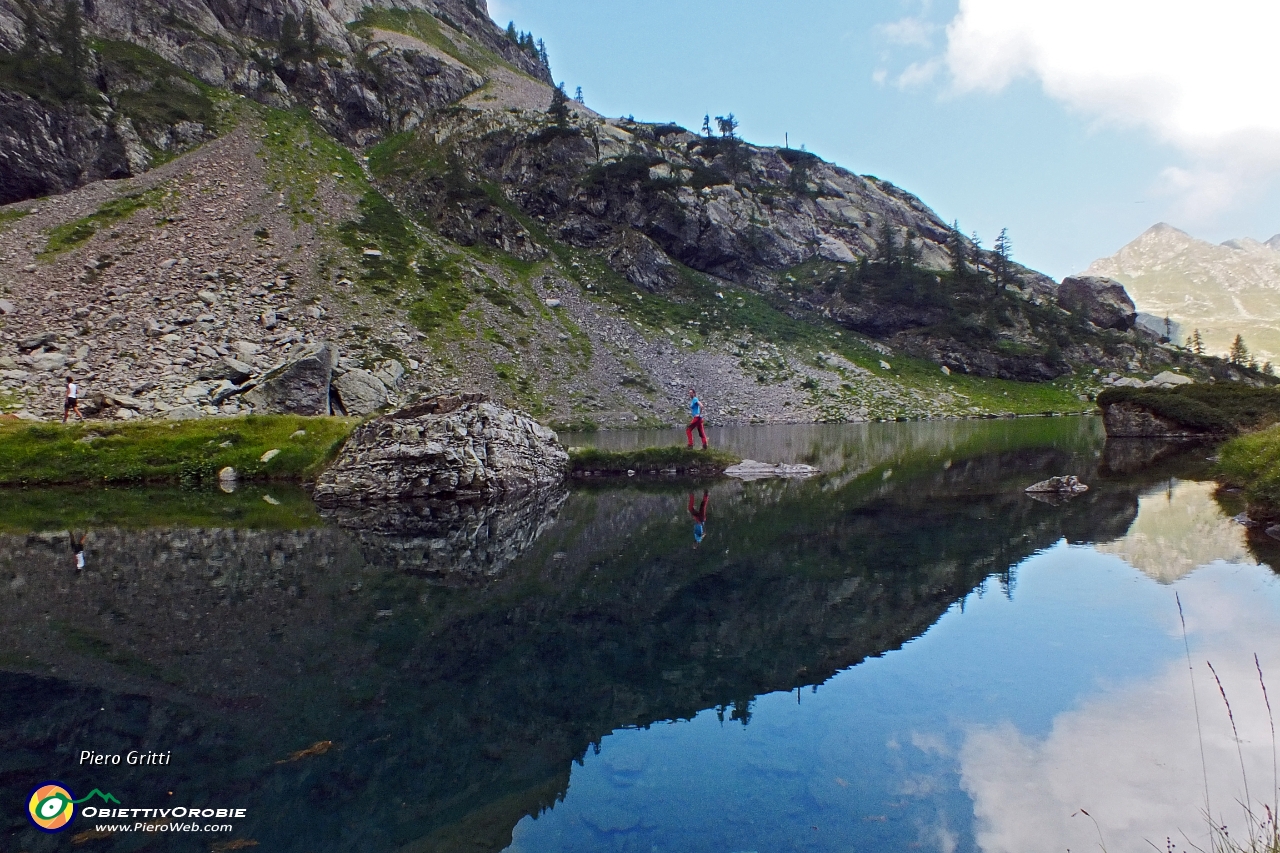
point(1252, 462)
point(185, 452)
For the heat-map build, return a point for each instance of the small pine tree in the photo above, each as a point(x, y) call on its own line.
point(959, 254)
point(706, 125)
point(1168, 328)
point(512, 35)
point(290, 37)
point(559, 109)
point(728, 126)
point(1268, 369)
point(542, 55)
point(887, 244)
point(1196, 343)
point(70, 37)
point(1003, 250)
point(1239, 353)
point(577, 96)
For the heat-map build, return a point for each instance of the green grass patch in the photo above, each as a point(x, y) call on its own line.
point(649, 460)
point(1252, 462)
point(428, 29)
point(300, 156)
point(1223, 408)
point(69, 235)
point(186, 452)
point(12, 215)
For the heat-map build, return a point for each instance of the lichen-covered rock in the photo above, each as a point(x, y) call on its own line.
point(446, 447)
point(1102, 301)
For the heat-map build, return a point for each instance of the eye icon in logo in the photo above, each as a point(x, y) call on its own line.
point(51, 807)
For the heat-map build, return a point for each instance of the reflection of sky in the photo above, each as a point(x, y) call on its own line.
point(987, 733)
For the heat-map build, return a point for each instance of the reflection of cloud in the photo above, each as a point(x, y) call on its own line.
point(1130, 756)
point(1177, 531)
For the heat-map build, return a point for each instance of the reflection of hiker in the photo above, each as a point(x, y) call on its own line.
point(699, 517)
point(72, 403)
point(77, 546)
point(695, 412)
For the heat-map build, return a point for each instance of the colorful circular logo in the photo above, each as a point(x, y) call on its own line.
point(51, 807)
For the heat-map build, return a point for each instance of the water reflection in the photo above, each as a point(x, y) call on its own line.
point(461, 659)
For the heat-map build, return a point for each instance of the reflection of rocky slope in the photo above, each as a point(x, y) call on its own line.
point(1179, 528)
point(460, 708)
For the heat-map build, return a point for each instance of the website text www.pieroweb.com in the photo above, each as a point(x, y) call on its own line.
point(53, 807)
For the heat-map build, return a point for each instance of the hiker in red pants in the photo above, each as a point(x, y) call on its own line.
point(695, 411)
point(699, 518)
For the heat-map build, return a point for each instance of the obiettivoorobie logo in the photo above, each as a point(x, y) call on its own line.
point(51, 806)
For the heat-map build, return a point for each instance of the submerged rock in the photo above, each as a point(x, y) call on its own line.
point(749, 469)
point(448, 448)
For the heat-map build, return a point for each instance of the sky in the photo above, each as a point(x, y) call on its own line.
point(1076, 125)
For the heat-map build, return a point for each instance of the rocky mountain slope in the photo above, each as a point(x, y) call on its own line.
point(199, 191)
point(1224, 290)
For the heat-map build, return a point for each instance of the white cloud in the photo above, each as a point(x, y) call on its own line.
point(1130, 756)
point(1200, 76)
point(919, 73)
point(908, 32)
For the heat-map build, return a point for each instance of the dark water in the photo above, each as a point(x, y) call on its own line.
point(906, 654)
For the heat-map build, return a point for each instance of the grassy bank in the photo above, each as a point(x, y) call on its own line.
point(183, 452)
point(591, 461)
point(1223, 408)
point(1252, 463)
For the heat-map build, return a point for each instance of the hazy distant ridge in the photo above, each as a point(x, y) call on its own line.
point(1223, 290)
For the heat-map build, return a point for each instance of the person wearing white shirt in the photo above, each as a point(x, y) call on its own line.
point(72, 403)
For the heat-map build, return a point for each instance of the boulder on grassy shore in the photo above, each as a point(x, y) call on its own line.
point(447, 447)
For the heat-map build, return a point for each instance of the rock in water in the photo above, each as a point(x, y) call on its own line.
point(1102, 301)
point(749, 469)
point(447, 448)
point(298, 387)
point(1068, 485)
point(360, 392)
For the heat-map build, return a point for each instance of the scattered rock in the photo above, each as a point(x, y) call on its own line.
point(36, 341)
point(1169, 378)
point(48, 362)
point(227, 475)
point(360, 392)
point(7, 307)
point(300, 386)
point(269, 455)
point(229, 369)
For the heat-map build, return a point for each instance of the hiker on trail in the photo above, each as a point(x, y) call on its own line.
point(72, 403)
point(699, 518)
point(695, 412)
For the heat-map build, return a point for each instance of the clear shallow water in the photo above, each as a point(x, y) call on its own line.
point(909, 654)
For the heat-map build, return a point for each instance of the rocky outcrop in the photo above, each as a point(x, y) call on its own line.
point(458, 447)
point(1132, 420)
point(1102, 301)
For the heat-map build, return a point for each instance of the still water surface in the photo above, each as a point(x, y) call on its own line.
point(906, 654)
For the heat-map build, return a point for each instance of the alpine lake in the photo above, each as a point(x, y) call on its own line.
point(907, 653)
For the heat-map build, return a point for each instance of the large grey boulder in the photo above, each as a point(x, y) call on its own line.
point(1102, 301)
point(233, 370)
point(449, 448)
point(300, 386)
point(360, 392)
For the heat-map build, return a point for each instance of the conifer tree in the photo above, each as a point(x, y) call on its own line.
point(959, 254)
point(1196, 343)
point(559, 109)
point(1003, 250)
point(1239, 353)
point(512, 34)
point(577, 96)
point(706, 125)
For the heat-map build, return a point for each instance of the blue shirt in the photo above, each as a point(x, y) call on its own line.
point(695, 407)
